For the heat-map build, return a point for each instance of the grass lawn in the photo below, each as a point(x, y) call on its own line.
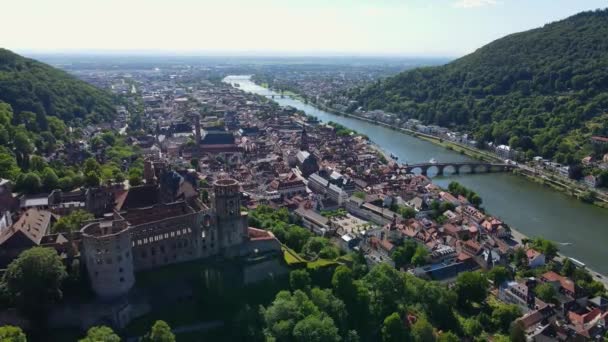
point(321, 263)
point(291, 257)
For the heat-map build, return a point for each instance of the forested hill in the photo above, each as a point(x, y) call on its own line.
point(31, 86)
point(543, 91)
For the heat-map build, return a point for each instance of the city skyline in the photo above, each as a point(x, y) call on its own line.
point(449, 28)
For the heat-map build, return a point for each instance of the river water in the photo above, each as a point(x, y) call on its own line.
point(581, 230)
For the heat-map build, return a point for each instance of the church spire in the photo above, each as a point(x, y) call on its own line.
point(304, 140)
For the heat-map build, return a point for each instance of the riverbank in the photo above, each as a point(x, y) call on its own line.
point(535, 209)
point(572, 190)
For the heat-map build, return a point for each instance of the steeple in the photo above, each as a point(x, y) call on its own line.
point(304, 140)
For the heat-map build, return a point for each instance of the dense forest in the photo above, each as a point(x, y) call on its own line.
point(543, 91)
point(43, 113)
point(31, 86)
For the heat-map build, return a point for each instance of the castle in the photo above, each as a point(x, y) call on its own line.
point(139, 238)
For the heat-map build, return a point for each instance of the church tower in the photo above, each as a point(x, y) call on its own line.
point(304, 140)
point(231, 224)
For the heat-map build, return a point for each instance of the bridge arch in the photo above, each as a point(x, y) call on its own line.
point(434, 170)
point(450, 169)
point(479, 168)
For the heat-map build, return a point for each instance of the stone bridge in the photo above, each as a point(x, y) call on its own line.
point(282, 96)
point(470, 167)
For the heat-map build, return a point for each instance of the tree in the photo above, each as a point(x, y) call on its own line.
point(448, 336)
point(472, 327)
point(393, 329)
point(29, 183)
point(315, 245)
point(420, 256)
point(135, 177)
point(407, 212)
point(50, 181)
point(9, 333)
point(100, 334)
point(402, 256)
point(517, 332)
point(588, 196)
point(72, 222)
point(342, 283)
point(299, 280)
point(471, 287)
point(92, 179)
point(160, 332)
point(315, 328)
point(548, 248)
point(284, 312)
point(34, 281)
point(37, 163)
point(91, 165)
point(504, 314)
point(354, 295)
point(498, 275)
point(568, 268)
point(438, 302)
point(8, 167)
point(546, 292)
point(352, 336)
point(331, 305)
point(520, 258)
point(23, 145)
point(422, 331)
point(387, 289)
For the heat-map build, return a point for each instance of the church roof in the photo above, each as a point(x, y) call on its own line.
point(218, 138)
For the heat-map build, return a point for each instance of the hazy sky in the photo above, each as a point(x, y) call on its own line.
point(367, 27)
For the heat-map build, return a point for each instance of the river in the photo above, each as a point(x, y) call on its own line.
point(581, 230)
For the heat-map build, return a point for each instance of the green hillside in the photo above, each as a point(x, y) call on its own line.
point(29, 85)
point(543, 91)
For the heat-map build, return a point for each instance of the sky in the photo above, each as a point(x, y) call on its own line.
point(438, 28)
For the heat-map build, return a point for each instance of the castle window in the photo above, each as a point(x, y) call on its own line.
point(153, 251)
point(162, 249)
point(119, 270)
point(127, 255)
point(119, 258)
point(122, 280)
point(96, 273)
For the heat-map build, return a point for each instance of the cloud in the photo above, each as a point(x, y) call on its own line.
point(474, 3)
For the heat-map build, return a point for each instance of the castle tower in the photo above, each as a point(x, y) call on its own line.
point(304, 140)
point(107, 252)
point(149, 174)
point(231, 224)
